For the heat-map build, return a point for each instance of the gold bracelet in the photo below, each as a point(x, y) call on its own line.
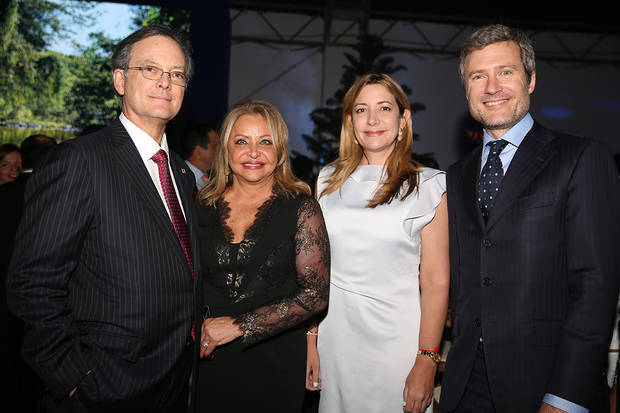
point(434, 356)
point(311, 333)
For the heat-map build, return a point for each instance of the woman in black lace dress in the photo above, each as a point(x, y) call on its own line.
point(266, 254)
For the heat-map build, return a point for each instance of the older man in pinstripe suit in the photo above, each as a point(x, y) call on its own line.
point(105, 263)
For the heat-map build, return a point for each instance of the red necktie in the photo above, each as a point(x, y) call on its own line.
point(176, 214)
point(178, 220)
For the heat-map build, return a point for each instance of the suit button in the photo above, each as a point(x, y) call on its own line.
point(487, 282)
point(477, 322)
point(487, 243)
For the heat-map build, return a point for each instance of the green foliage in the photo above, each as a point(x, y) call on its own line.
point(38, 20)
point(48, 88)
point(35, 81)
point(92, 99)
point(369, 56)
point(178, 19)
point(16, 61)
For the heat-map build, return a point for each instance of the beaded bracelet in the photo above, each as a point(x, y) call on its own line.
point(432, 354)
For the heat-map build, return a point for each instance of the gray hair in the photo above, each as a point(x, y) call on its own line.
point(495, 33)
point(122, 53)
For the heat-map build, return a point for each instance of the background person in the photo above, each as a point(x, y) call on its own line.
point(303, 168)
point(10, 163)
point(200, 144)
point(33, 149)
point(22, 386)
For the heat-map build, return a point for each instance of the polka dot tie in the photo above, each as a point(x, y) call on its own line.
point(176, 214)
point(491, 177)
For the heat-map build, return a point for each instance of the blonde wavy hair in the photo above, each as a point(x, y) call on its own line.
point(399, 166)
point(285, 182)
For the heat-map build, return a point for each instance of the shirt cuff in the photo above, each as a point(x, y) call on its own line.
point(564, 404)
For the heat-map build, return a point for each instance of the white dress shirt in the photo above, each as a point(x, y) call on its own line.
point(200, 176)
point(147, 147)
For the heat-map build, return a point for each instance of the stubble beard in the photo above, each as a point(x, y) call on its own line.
point(517, 113)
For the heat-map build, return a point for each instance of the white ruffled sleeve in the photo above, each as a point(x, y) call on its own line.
point(424, 201)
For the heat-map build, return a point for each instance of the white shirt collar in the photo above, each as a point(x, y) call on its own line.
point(516, 134)
point(147, 147)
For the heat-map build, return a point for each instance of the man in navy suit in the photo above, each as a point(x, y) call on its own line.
point(200, 143)
point(105, 263)
point(534, 226)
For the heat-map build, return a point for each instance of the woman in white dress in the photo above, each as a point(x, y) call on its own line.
point(387, 221)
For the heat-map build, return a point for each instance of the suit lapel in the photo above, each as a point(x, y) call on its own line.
point(129, 162)
point(180, 172)
point(471, 173)
point(531, 157)
point(179, 169)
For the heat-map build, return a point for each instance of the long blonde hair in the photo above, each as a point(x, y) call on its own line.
point(399, 167)
point(284, 181)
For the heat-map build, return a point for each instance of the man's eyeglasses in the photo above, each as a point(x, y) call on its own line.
point(154, 73)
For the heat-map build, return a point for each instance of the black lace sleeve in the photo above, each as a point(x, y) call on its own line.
point(312, 262)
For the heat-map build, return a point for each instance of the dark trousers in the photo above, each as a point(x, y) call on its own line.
point(20, 391)
point(477, 395)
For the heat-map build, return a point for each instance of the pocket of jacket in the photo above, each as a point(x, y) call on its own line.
point(88, 389)
point(535, 201)
point(110, 340)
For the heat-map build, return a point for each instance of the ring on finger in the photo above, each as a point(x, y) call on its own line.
point(205, 344)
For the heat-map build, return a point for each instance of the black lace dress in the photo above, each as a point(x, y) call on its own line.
point(270, 282)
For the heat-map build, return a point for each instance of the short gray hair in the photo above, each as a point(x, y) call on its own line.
point(495, 33)
point(122, 53)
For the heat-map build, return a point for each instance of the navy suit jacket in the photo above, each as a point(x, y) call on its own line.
point(539, 281)
point(98, 274)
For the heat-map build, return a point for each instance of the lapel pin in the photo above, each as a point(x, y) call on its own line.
point(182, 170)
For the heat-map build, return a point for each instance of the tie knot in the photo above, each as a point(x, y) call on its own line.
point(160, 157)
point(497, 146)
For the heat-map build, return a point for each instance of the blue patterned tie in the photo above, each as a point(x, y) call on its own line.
point(491, 177)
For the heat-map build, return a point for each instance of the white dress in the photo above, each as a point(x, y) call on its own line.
point(369, 339)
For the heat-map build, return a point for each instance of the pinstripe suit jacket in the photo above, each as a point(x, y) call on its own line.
point(98, 274)
point(539, 281)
